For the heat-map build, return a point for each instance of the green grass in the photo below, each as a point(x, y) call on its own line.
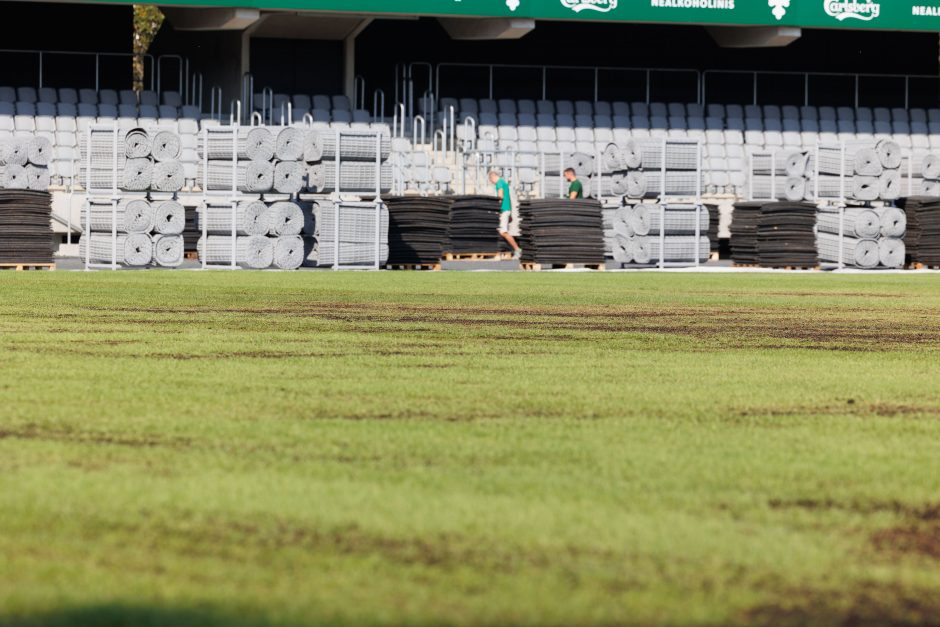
point(248, 449)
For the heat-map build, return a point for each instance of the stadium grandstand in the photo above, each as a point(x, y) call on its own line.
point(479, 82)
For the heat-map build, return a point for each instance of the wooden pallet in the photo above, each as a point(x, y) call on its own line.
point(27, 266)
point(920, 266)
point(713, 256)
point(754, 265)
point(477, 256)
point(538, 267)
point(191, 255)
point(431, 267)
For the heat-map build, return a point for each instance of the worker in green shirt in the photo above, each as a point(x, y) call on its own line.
point(505, 211)
point(575, 188)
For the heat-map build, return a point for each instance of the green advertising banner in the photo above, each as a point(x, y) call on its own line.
point(923, 15)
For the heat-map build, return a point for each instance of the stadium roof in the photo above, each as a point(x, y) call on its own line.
point(923, 15)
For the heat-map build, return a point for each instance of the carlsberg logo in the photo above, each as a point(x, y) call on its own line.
point(852, 9)
point(590, 5)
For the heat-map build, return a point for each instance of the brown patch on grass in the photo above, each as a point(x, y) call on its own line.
point(33, 432)
point(445, 551)
point(927, 512)
point(869, 603)
point(850, 408)
point(921, 539)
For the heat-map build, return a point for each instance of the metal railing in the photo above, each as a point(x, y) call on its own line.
point(43, 55)
point(806, 79)
point(648, 73)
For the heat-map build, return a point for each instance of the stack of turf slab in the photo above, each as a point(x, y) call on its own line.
point(474, 225)
point(417, 229)
point(25, 227)
point(923, 229)
point(786, 235)
point(562, 231)
point(744, 220)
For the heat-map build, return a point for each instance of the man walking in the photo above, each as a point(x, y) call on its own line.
point(575, 188)
point(505, 211)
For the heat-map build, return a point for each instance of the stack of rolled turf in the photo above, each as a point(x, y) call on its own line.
point(145, 161)
point(136, 232)
point(782, 176)
point(930, 173)
point(864, 172)
point(562, 231)
point(554, 165)
point(744, 220)
point(357, 234)
point(25, 227)
point(266, 160)
point(24, 163)
point(473, 228)
point(265, 235)
point(786, 235)
point(358, 156)
point(621, 173)
point(870, 237)
point(647, 233)
point(922, 240)
point(634, 169)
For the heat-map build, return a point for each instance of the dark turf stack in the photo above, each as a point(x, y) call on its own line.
point(744, 221)
point(191, 232)
point(25, 227)
point(556, 231)
point(786, 235)
point(713, 217)
point(417, 229)
point(474, 222)
point(923, 229)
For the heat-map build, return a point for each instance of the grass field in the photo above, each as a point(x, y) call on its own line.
point(247, 449)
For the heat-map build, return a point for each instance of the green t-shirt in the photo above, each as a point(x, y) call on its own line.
point(507, 203)
point(577, 188)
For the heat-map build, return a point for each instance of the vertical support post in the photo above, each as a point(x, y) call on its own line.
point(97, 72)
point(856, 91)
point(40, 69)
point(205, 198)
point(755, 89)
point(234, 198)
point(841, 235)
point(114, 194)
point(86, 234)
point(648, 87)
point(662, 207)
point(491, 82)
point(378, 199)
point(698, 200)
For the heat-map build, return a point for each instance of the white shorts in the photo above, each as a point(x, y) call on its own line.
point(504, 221)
